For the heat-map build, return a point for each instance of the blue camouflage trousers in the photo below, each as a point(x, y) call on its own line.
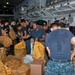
point(28, 46)
point(59, 68)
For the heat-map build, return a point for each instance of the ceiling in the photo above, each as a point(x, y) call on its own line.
point(6, 6)
point(55, 10)
point(50, 10)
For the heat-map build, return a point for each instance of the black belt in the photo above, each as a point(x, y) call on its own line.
point(55, 60)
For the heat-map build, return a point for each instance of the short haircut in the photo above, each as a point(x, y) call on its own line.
point(62, 24)
point(54, 24)
point(45, 22)
point(35, 22)
point(57, 21)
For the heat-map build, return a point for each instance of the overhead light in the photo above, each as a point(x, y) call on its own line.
point(7, 3)
point(55, 1)
point(51, 6)
point(4, 6)
point(65, 4)
point(22, 8)
point(73, 2)
point(57, 6)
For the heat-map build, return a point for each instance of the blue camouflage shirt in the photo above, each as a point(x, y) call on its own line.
point(58, 41)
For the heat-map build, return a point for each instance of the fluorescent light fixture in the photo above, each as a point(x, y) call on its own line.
point(4, 6)
point(50, 6)
point(73, 2)
point(7, 3)
point(55, 1)
point(22, 8)
point(65, 4)
point(47, 8)
point(57, 6)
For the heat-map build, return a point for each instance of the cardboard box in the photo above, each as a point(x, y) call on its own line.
point(37, 67)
